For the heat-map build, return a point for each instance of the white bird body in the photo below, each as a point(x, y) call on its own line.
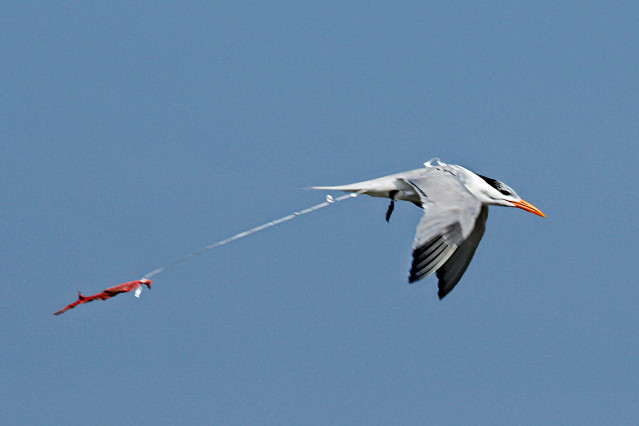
point(455, 202)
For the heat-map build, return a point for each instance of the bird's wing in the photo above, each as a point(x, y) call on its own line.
point(451, 272)
point(450, 213)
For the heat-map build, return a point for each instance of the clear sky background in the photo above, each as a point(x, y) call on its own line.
point(133, 134)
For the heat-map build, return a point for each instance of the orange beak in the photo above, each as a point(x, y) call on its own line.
point(528, 207)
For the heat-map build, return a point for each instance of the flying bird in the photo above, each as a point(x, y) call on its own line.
point(455, 202)
point(108, 293)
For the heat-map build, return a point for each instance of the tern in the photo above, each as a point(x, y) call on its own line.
point(455, 202)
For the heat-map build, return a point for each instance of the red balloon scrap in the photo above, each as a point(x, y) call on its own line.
point(107, 294)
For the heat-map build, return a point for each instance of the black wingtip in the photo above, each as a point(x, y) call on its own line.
point(443, 291)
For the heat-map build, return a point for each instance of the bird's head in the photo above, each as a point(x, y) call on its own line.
point(487, 190)
point(498, 193)
point(146, 282)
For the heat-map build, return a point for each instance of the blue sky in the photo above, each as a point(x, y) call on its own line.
point(134, 134)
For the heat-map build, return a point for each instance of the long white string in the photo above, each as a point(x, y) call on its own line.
point(329, 200)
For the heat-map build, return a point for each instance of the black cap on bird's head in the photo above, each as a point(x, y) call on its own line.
point(506, 196)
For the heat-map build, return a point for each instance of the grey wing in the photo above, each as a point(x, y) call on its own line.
point(451, 272)
point(450, 213)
